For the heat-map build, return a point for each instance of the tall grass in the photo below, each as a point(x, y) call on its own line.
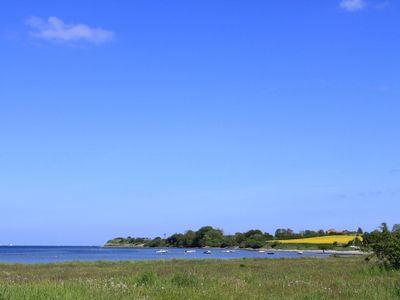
point(305, 278)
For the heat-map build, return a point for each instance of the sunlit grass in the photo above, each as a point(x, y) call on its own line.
point(303, 278)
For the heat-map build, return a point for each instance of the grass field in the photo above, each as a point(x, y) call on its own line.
point(303, 278)
point(329, 239)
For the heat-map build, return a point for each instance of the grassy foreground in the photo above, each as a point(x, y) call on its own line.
point(303, 278)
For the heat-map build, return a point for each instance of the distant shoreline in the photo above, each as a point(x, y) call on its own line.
point(316, 251)
point(333, 252)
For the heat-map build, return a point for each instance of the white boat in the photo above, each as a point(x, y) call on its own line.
point(228, 251)
point(207, 252)
point(353, 244)
point(261, 251)
point(299, 252)
point(190, 251)
point(162, 251)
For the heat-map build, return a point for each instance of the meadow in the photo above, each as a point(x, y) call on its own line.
point(302, 278)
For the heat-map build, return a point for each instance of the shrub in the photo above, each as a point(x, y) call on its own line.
point(275, 244)
point(385, 245)
point(325, 247)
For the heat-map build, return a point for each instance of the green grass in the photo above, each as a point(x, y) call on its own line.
point(303, 278)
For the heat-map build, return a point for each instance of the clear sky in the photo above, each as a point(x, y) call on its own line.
point(149, 117)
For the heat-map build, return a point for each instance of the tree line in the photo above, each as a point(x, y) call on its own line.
point(208, 236)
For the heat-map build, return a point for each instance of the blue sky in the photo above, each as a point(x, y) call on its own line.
point(149, 117)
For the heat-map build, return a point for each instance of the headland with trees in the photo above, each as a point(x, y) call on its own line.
point(209, 236)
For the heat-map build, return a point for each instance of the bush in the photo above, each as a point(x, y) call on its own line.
point(275, 244)
point(252, 243)
point(385, 245)
point(156, 242)
point(325, 247)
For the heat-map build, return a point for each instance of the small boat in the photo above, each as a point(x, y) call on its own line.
point(270, 253)
point(261, 251)
point(299, 252)
point(190, 251)
point(207, 252)
point(228, 251)
point(162, 251)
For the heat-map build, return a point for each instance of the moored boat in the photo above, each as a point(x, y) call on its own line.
point(162, 251)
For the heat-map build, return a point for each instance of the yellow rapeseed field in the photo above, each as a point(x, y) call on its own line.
point(329, 239)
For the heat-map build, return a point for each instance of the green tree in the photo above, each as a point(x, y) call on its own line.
point(268, 236)
point(229, 241)
point(253, 243)
point(325, 247)
point(396, 228)
point(207, 236)
point(189, 238)
point(239, 238)
point(156, 242)
point(284, 234)
point(385, 245)
point(176, 240)
point(253, 238)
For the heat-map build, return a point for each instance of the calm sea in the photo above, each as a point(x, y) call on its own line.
point(47, 254)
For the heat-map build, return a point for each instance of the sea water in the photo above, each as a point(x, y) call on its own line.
point(48, 254)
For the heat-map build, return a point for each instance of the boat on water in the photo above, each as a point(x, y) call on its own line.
point(190, 251)
point(299, 252)
point(228, 251)
point(270, 253)
point(207, 252)
point(162, 251)
point(261, 251)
